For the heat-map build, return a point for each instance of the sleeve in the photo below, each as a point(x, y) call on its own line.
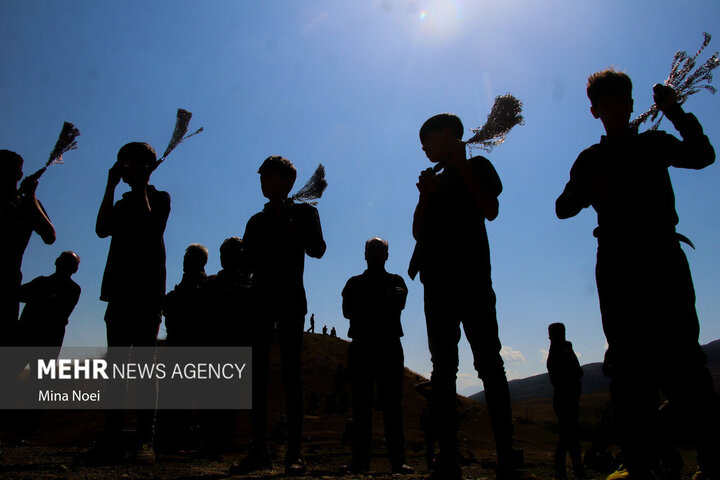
point(27, 292)
point(68, 304)
point(250, 246)
point(349, 300)
point(486, 174)
point(400, 292)
point(575, 195)
point(694, 151)
point(160, 210)
point(314, 242)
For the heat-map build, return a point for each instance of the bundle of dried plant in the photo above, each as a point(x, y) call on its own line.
point(182, 123)
point(313, 189)
point(684, 81)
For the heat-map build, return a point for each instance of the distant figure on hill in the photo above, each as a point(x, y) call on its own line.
point(452, 255)
point(373, 302)
point(49, 301)
point(185, 306)
point(324, 330)
point(21, 213)
point(312, 324)
point(565, 374)
point(276, 241)
point(133, 286)
point(333, 332)
point(646, 293)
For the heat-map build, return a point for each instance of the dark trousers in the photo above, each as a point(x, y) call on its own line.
point(567, 410)
point(647, 300)
point(289, 332)
point(448, 304)
point(377, 362)
point(131, 326)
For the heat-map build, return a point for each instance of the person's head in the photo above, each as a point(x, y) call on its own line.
point(610, 94)
point(232, 254)
point(195, 259)
point(376, 253)
point(556, 331)
point(277, 177)
point(11, 165)
point(67, 263)
point(439, 134)
point(138, 160)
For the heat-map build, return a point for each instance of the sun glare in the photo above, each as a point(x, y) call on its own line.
point(441, 18)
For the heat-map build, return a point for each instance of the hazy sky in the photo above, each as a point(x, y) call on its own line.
point(348, 84)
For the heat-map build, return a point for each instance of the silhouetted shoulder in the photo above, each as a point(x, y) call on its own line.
point(485, 171)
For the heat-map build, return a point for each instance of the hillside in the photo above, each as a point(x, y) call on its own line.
point(593, 381)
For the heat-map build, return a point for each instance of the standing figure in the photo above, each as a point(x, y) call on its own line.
point(184, 308)
point(565, 374)
point(133, 285)
point(276, 241)
point(646, 293)
point(21, 213)
point(373, 302)
point(311, 329)
point(49, 301)
point(453, 257)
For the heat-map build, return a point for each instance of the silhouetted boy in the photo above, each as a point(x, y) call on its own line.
point(49, 301)
point(21, 213)
point(453, 258)
point(373, 302)
point(133, 284)
point(186, 313)
point(231, 316)
point(276, 241)
point(565, 374)
point(647, 298)
point(185, 307)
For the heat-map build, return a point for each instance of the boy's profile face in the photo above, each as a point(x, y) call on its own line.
point(613, 111)
point(437, 144)
point(135, 172)
point(275, 186)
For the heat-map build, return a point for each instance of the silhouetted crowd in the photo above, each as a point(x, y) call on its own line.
point(647, 299)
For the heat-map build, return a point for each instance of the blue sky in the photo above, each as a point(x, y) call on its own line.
point(348, 84)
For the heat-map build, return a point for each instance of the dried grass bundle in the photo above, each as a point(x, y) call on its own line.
point(684, 81)
point(182, 122)
point(506, 112)
point(65, 142)
point(313, 189)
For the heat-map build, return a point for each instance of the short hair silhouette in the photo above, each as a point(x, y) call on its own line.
point(231, 252)
point(277, 163)
point(68, 261)
point(440, 122)
point(10, 161)
point(606, 83)
point(556, 330)
point(137, 151)
point(196, 257)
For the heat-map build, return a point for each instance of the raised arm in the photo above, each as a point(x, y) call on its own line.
point(40, 221)
point(695, 150)
point(103, 225)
